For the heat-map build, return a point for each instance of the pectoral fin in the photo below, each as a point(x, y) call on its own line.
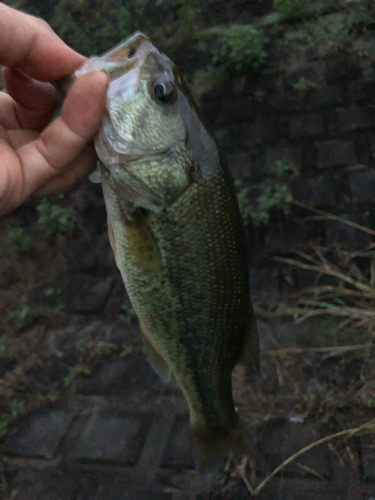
point(249, 358)
point(156, 360)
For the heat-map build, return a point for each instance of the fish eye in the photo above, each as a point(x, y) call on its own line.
point(164, 91)
point(159, 90)
point(131, 52)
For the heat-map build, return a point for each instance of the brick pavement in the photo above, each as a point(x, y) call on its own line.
point(127, 437)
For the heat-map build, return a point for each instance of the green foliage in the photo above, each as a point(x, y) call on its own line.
point(53, 218)
point(282, 169)
point(127, 314)
point(18, 241)
point(16, 408)
point(18, 317)
point(126, 349)
point(303, 84)
point(290, 9)
point(325, 30)
point(53, 395)
point(241, 48)
point(273, 197)
point(91, 26)
point(8, 346)
point(75, 372)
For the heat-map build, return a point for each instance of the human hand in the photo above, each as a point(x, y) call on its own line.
point(35, 159)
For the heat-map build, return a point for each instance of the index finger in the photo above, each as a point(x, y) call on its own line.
point(28, 43)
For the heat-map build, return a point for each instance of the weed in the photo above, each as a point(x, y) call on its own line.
point(18, 317)
point(290, 9)
point(241, 48)
point(74, 372)
point(83, 345)
point(5, 420)
point(18, 241)
point(273, 197)
point(16, 408)
point(126, 349)
point(8, 346)
point(282, 170)
point(325, 30)
point(127, 314)
point(53, 218)
point(303, 84)
point(52, 395)
point(52, 292)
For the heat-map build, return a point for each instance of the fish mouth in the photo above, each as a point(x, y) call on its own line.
point(127, 55)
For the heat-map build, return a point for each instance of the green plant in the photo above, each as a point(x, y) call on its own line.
point(18, 317)
point(18, 241)
point(290, 9)
point(16, 408)
point(303, 84)
point(52, 292)
point(52, 395)
point(273, 197)
point(127, 314)
point(241, 48)
point(282, 170)
point(74, 372)
point(8, 346)
point(126, 349)
point(53, 218)
point(326, 29)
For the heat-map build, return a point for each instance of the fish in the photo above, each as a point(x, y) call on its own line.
point(178, 238)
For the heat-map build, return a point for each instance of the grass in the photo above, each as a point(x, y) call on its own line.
point(350, 295)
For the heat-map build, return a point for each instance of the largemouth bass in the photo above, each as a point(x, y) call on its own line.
point(177, 237)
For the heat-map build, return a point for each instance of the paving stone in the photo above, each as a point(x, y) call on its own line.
point(355, 118)
point(301, 489)
point(341, 70)
point(281, 237)
point(336, 153)
point(240, 164)
point(224, 137)
point(279, 439)
point(324, 96)
point(281, 153)
point(306, 126)
point(40, 434)
point(362, 185)
point(362, 92)
point(123, 492)
point(156, 439)
point(264, 286)
point(346, 235)
point(92, 293)
point(36, 485)
point(123, 377)
point(317, 191)
point(178, 454)
point(108, 435)
point(109, 374)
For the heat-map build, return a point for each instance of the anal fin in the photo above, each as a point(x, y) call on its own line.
point(156, 360)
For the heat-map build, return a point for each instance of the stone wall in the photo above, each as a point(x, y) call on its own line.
point(326, 133)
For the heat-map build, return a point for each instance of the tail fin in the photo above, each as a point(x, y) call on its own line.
point(211, 449)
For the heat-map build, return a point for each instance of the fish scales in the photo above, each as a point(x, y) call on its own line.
point(178, 239)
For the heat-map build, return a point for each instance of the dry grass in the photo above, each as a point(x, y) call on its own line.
point(350, 291)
